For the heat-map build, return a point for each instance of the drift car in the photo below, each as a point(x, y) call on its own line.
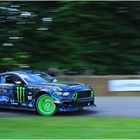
point(35, 90)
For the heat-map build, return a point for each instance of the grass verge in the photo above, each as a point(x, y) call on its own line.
point(69, 128)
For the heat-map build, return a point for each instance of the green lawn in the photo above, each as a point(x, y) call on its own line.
point(69, 127)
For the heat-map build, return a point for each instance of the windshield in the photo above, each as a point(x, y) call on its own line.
point(37, 78)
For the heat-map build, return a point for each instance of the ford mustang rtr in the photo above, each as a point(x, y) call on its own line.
point(38, 91)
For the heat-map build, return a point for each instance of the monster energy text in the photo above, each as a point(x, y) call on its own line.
point(20, 94)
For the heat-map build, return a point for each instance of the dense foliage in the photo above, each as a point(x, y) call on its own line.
point(83, 36)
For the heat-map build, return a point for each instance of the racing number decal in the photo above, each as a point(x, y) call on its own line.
point(20, 91)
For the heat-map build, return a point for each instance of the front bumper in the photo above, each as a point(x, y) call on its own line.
point(74, 105)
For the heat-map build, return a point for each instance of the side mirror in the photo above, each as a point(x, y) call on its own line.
point(55, 80)
point(18, 82)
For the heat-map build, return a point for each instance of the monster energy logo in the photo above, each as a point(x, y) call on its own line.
point(20, 94)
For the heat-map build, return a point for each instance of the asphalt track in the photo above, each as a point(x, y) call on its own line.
point(106, 106)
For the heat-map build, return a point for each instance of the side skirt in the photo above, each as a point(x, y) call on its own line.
point(17, 108)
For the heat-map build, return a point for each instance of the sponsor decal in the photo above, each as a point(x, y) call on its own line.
point(29, 98)
point(35, 87)
point(29, 93)
point(12, 100)
point(24, 104)
point(20, 94)
point(4, 91)
point(31, 104)
point(4, 99)
point(124, 85)
point(14, 103)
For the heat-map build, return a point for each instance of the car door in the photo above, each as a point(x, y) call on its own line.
point(6, 91)
point(13, 91)
point(19, 91)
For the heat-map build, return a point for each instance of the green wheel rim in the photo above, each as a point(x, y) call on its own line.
point(45, 105)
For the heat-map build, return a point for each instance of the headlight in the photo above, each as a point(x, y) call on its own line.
point(62, 93)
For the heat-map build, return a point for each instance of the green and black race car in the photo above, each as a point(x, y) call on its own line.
point(35, 90)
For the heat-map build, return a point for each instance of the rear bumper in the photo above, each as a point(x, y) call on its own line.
point(78, 104)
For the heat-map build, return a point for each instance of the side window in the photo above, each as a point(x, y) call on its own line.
point(16, 78)
point(10, 79)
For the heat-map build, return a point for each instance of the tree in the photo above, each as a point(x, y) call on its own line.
point(79, 36)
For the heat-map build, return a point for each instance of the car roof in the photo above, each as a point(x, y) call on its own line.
point(19, 72)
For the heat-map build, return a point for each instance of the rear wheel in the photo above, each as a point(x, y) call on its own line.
point(45, 105)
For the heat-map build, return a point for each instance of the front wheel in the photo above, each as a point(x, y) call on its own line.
point(45, 105)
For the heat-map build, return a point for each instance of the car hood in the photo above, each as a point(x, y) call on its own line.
point(65, 86)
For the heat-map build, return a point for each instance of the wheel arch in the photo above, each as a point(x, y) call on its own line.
point(38, 94)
